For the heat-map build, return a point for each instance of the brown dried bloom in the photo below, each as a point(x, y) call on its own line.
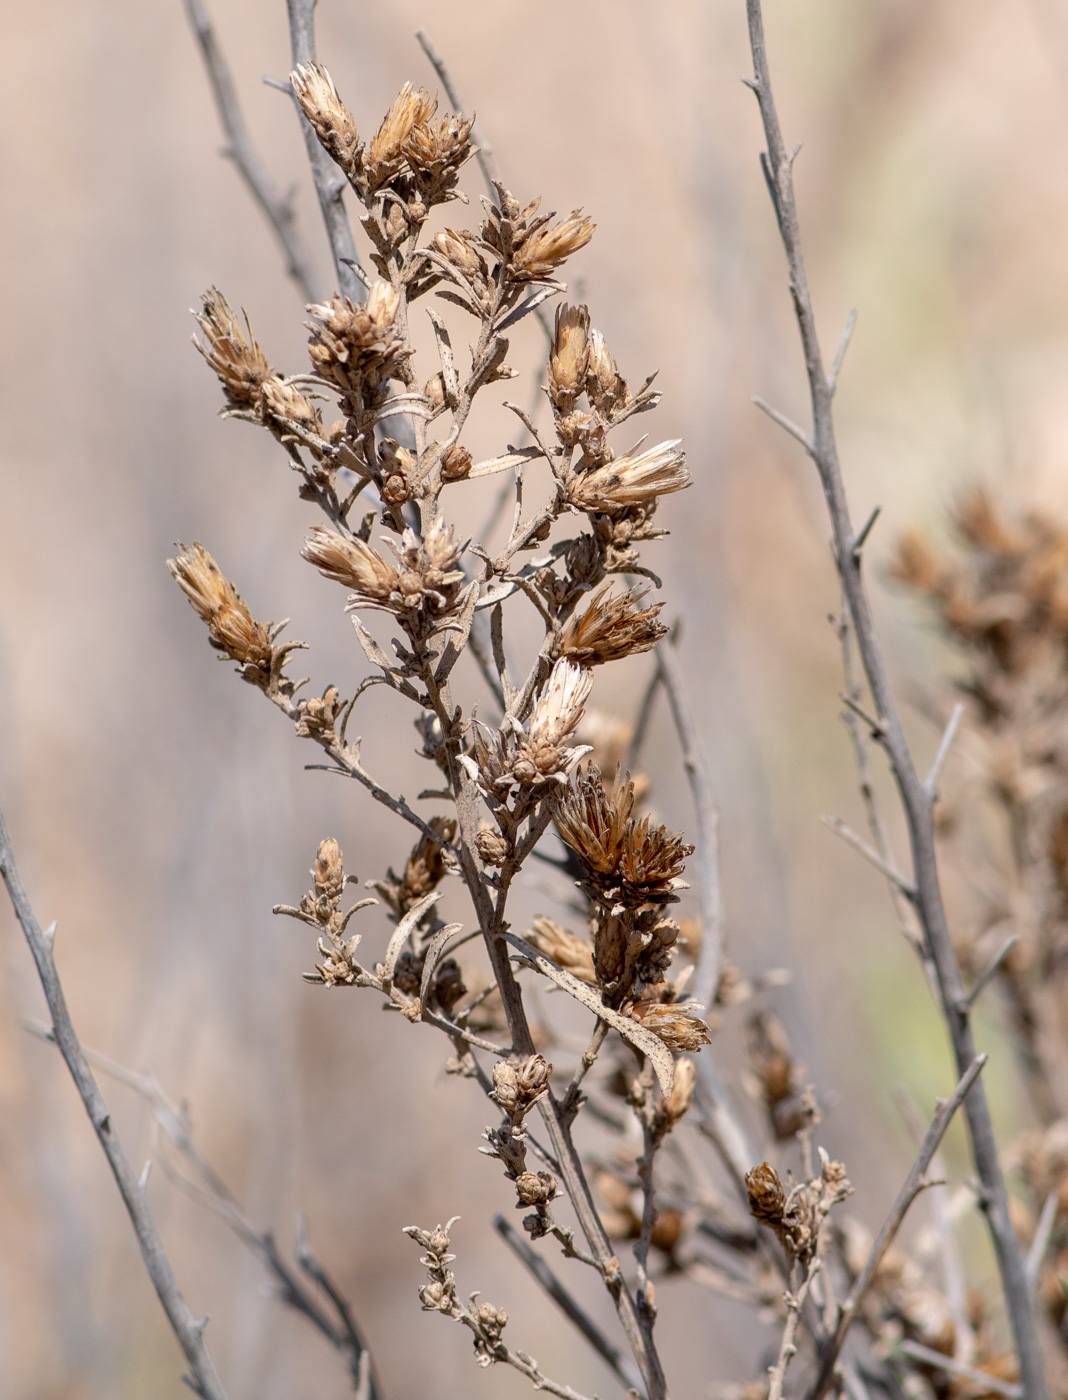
point(351, 562)
point(456, 463)
point(518, 1087)
point(632, 481)
point(540, 253)
point(357, 346)
point(281, 403)
point(604, 384)
point(767, 1198)
point(569, 355)
point(682, 1090)
point(328, 115)
point(535, 1188)
point(540, 755)
point(318, 716)
point(611, 628)
point(436, 151)
point(566, 949)
point(491, 845)
point(385, 154)
point(426, 865)
point(231, 625)
point(628, 860)
point(678, 1024)
point(236, 358)
point(428, 582)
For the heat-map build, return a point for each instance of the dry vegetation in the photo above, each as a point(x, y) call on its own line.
point(626, 1152)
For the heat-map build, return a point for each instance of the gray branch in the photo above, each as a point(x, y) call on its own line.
point(277, 209)
point(189, 1332)
point(916, 801)
point(330, 185)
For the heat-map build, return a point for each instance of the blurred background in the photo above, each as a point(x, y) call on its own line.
point(159, 807)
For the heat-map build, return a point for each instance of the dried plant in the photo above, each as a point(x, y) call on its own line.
point(521, 768)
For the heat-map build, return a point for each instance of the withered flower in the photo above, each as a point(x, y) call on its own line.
point(540, 253)
point(428, 580)
point(328, 115)
point(386, 151)
point(767, 1197)
point(611, 628)
point(517, 1088)
point(234, 356)
point(491, 845)
point(605, 385)
point(426, 866)
point(232, 627)
point(456, 463)
point(319, 716)
point(573, 954)
point(353, 563)
point(682, 1090)
point(541, 754)
point(628, 860)
point(436, 151)
point(357, 347)
point(569, 356)
point(632, 481)
point(282, 403)
point(677, 1024)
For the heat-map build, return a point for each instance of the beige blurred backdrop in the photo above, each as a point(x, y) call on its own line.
point(159, 807)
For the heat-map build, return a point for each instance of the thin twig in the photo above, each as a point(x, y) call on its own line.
point(915, 800)
point(913, 1185)
point(328, 186)
point(850, 837)
point(785, 423)
point(1039, 1244)
point(699, 776)
point(970, 997)
point(484, 155)
point(930, 783)
point(189, 1332)
point(277, 209)
point(990, 1384)
point(620, 1364)
point(839, 356)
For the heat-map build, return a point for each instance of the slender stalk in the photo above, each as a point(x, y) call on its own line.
point(189, 1332)
point(915, 799)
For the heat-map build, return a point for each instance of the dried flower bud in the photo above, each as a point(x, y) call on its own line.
point(456, 463)
point(491, 846)
point(328, 871)
point(535, 1188)
point(328, 115)
point(611, 628)
point(767, 1199)
point(539, 255)
point(533, 1079)
point(410, 109)
point(506, 1086)
point(282, 403)
point(677, 1024)
point(682, 1089)
point(457, 249)
point(231, 625)
point(632, 481)
point(569, 355)
point(573, 954)
point(351, 562)
point(357, 347)
point(517, 1088)
point(319, 715)
point(236, 358)
point(605, 385)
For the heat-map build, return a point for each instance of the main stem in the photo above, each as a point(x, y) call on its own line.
point(916, 801)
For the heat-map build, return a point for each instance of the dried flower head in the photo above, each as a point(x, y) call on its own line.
point(612, 627)
point(566, 949)
point(353, 563)
point(632, 481)
point(231, 625)
point(512, 757)
point(491, 845)
point(606, 387)
point(678, 1024)
point(543, 250)
point(234, 356)
point(518, 1087)
point(328, 115)
point(627, 859)
point(456, 463)
point(357, 348)
point(767, 1198)
point(385, 154)
point(569, 356)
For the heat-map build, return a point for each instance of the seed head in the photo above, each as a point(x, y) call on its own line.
point(535, 1188)
point(605, 385)
point(677, 1024)
point(569, 356)
point(385, 155)
point(328, 115)
point(568, 951)
point(234, 356)
point(491, 846)
point(328, 871)
point(767, 1198)
point(632, 481)
point(612, 627)
point(456, 463)
point(539, 255)
point(231, 625)
point(352, 563)
point(356, 346)
point(629, 861)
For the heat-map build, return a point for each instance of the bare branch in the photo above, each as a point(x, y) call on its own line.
point(840, 354)
point(277, 209)
point(914, 798)
point(785, 423)
point(329, 186)
point(949, 734)
point(969, 998)
point(620, 1364)
point(991, 1385)
point(913, 1185)
point(188, 1330)
point(850, 837)
point(1039, 1244)
point(486, 159)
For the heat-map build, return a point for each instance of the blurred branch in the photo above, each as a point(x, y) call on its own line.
point(212, 1192)
point(777, 165)
point(189, 1332)
point(277, 209)
point(484, 155)
point(913, 1185)
point(330, 185)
